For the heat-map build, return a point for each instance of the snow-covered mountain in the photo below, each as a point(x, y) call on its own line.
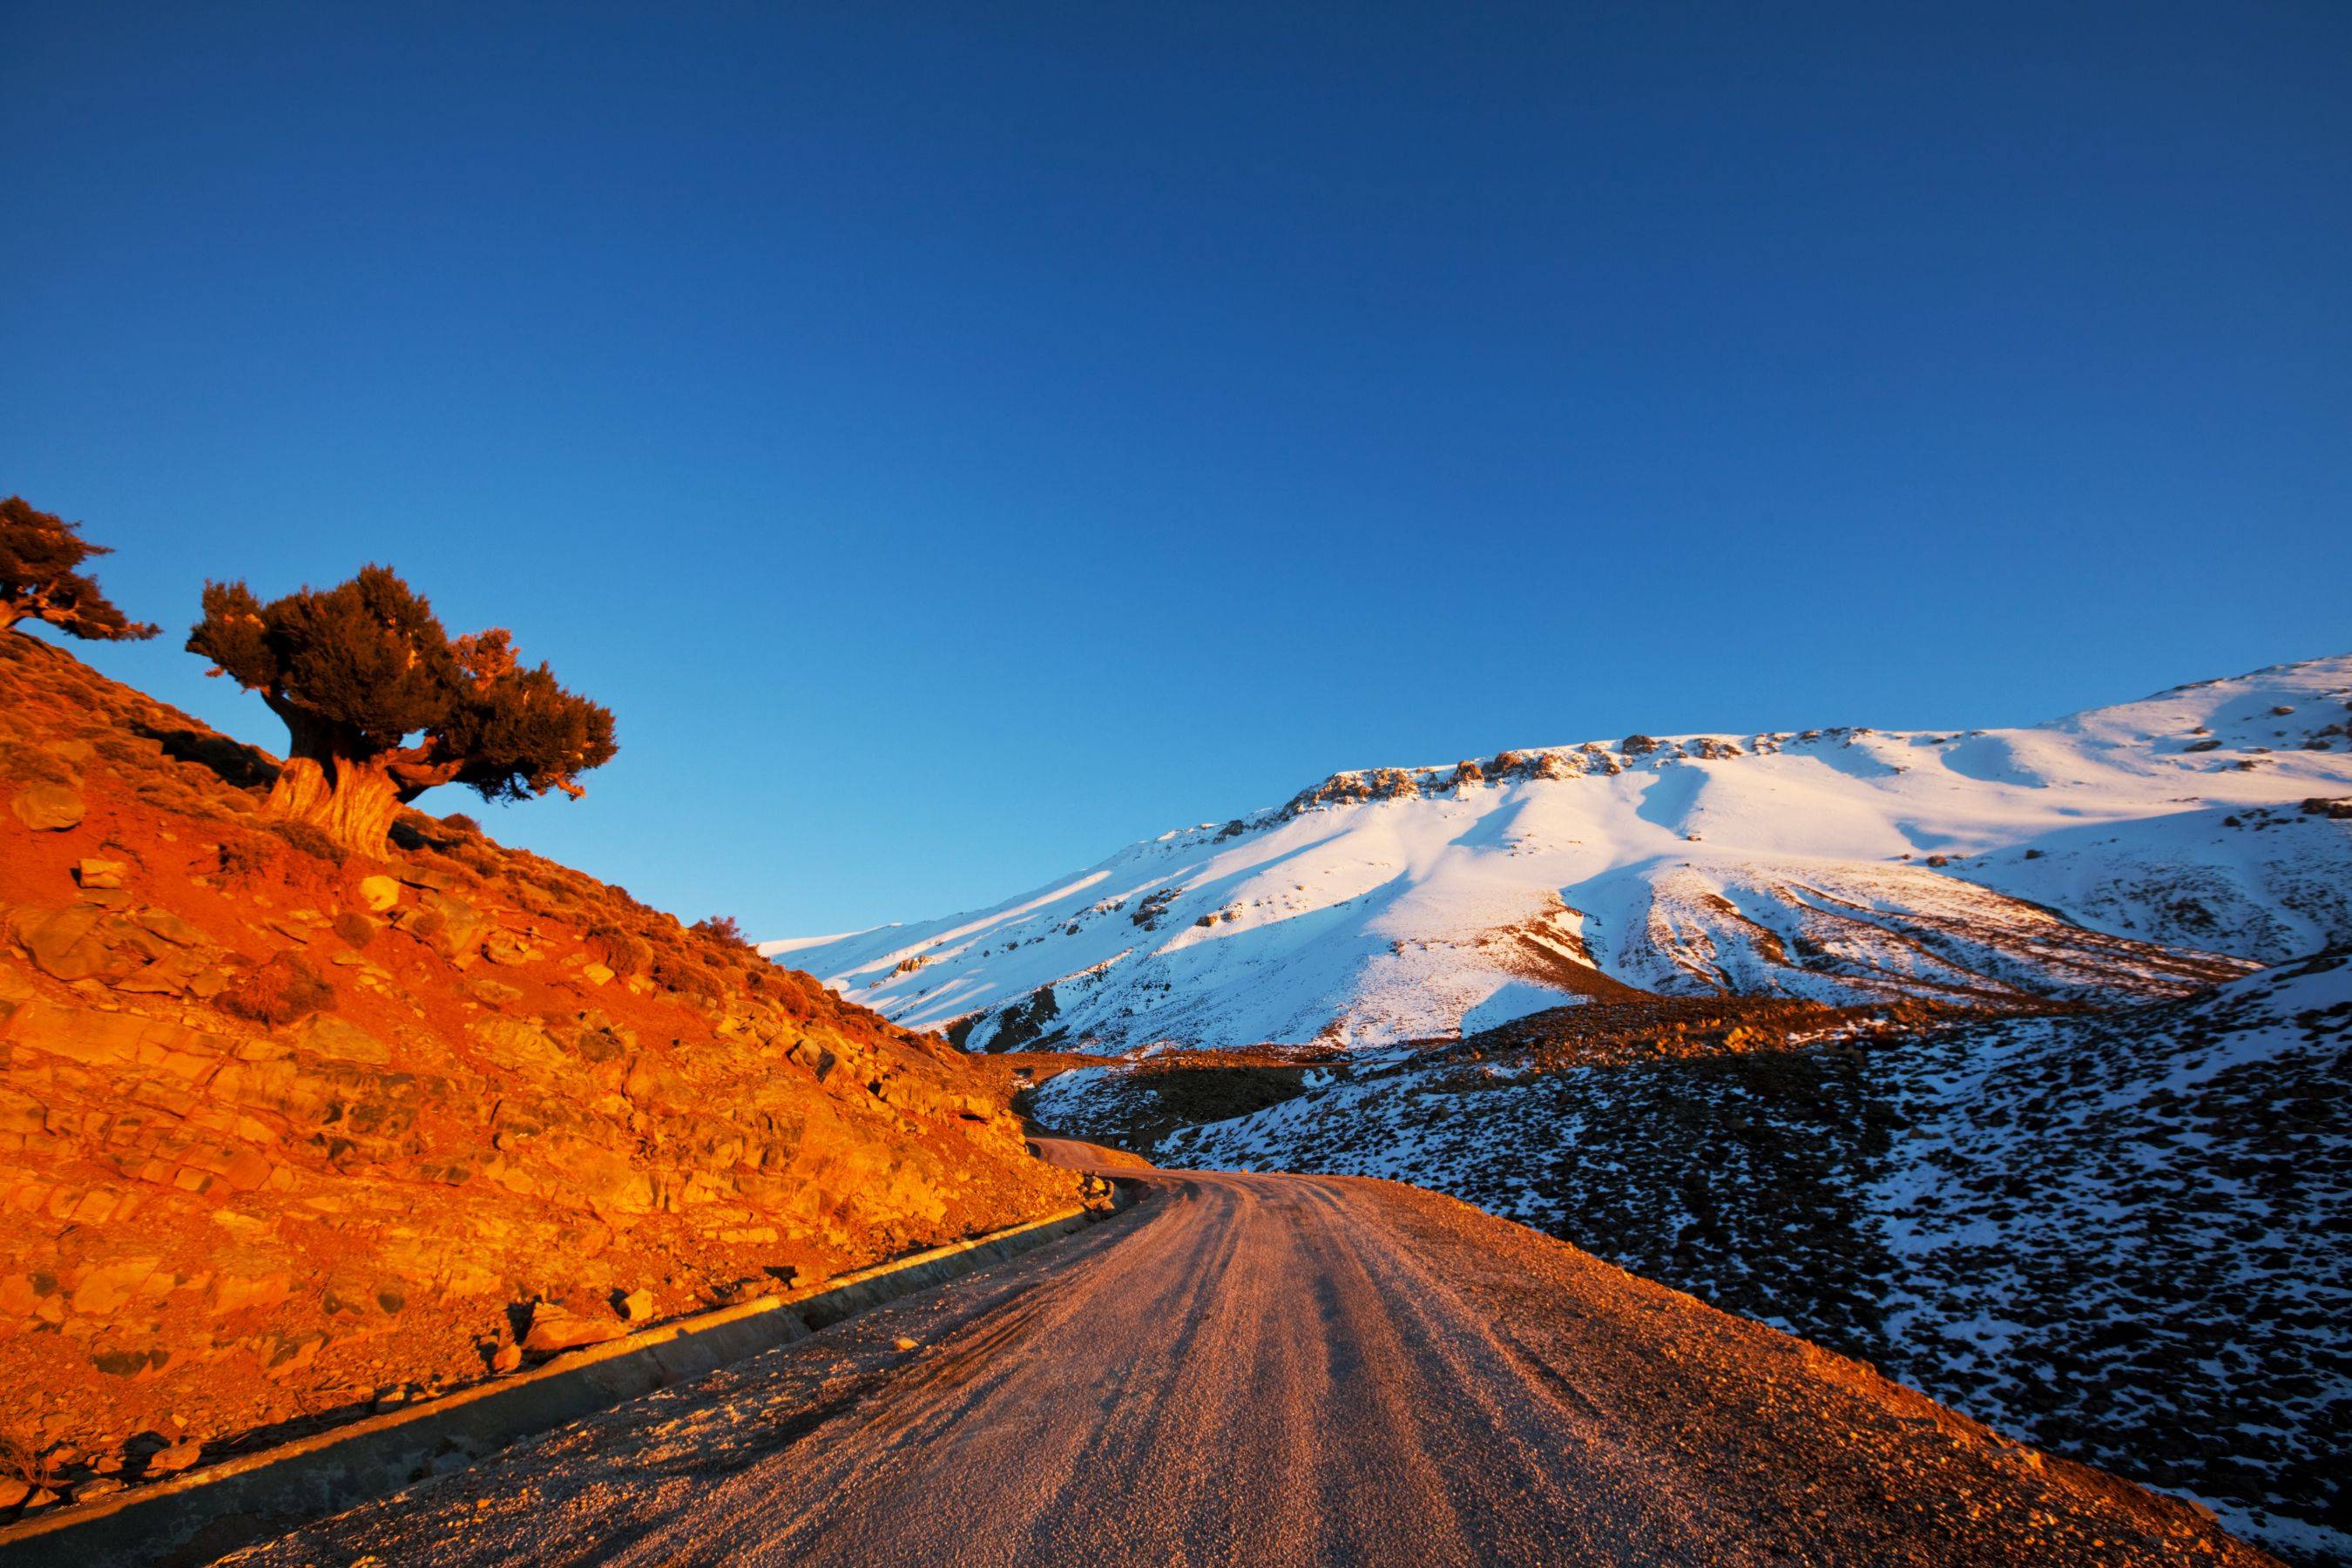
point(2138, 850)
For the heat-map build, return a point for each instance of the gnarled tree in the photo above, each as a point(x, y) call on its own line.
point(40, 577)
point(381, 704)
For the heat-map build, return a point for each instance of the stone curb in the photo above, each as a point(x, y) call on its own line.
point(199, 1515)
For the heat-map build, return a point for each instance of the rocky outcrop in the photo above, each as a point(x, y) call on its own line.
point(1355, 787)
point(285, 1137)
point(1346, 788)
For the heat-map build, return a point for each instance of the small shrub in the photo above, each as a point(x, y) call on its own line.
point(31, 764)
point(354, 927)
point(309, 840)
point(427, 927)
point(131, 757)
point(167, 790)
point(621, 951)
point(280, 990)
point(241, 858)
point(413, 830)
point(476, 855)
point(533, 898)
point(722, 929)
point(674, 971)
point(21, 1459)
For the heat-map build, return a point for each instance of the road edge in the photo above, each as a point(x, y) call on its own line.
point(229, 1504)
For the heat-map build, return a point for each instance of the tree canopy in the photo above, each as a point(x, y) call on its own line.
point(381, 701)
point(40, 577)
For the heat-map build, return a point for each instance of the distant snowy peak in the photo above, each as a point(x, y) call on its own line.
point(2139, 849)
point(2247, 712)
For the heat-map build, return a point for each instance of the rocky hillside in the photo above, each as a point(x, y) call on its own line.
point(2120, 1235)
point(285, 1137)
point(2139, 851)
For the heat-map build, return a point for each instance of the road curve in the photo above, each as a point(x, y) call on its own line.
point(1274, 1369)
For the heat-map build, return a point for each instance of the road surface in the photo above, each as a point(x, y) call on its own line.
point(1270, 1370)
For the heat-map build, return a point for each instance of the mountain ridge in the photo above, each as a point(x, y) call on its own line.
point(2138, 849)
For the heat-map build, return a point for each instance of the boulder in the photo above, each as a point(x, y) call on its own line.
point(379, 893)
point(508, 948)
point(170, 927)
point(492, 992)
point(97, 1038)
point(446, 923)
point(553, 1328)
point(179, 1456)
point(47, 807)
point(95, 874)
point(161, 978)
point(238, 1292)
point(248, 1170)
point(65, 942)
point(111, 1286)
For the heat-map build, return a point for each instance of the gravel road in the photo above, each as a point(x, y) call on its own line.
point(1268, 1370)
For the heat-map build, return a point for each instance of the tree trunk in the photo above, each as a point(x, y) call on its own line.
point(350, 801)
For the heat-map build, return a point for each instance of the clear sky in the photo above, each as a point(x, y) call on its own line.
point(958, 441)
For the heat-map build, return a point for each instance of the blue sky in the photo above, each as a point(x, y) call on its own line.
point(958, 443)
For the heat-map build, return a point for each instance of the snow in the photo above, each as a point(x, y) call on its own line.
point(781, 945)
point(1512, 999)
point(1790, 864)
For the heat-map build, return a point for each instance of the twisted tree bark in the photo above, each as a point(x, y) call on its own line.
point(350, 801)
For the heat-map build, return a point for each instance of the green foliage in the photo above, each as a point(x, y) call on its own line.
point(365, 672)
point(519, 732)
point(368, 657)
point(40, 578)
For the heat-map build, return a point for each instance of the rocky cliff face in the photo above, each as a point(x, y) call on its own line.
point(285, 1137)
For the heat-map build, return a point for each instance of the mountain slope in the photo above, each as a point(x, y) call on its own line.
point(2133, 851)
point(284, 1135)
point(2119, 1235)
